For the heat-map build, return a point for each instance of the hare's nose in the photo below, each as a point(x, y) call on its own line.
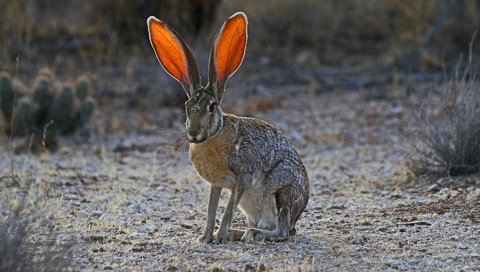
point(195, 139)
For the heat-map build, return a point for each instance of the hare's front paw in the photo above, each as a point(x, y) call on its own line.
point(221, 237)
point(253, 235)
point(205, 238)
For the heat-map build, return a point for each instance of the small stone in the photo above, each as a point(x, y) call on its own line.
point(449, 261)
point(186, 225)
point(454, 193)
point(138, 249)
point(244, 258)
point(365, 222)
point(77, 204)
point(474, 255)
point(462, 247)
point(97, 213)
point(433, 188)
point(142, 243)
point(413, 262)
point(98, 237)
point(358, 240)
point(70, 197)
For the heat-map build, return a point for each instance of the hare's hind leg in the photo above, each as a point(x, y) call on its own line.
point(280, 233)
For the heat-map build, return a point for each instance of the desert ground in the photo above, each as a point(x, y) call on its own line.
point(125, 199)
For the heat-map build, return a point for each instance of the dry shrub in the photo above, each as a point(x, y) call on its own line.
point(22, 250)
point(446, 139)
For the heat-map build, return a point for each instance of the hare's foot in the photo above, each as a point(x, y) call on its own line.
point(257, 235)
point(207, 237)
point(232, 235)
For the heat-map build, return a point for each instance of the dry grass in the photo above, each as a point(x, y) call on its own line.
point(25, 247)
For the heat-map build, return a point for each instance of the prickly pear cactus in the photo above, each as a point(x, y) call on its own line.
point(85, 111)
point(63, 111)
point(60, 110)
point(23, 117)
point(43, 94)
point(83, 87)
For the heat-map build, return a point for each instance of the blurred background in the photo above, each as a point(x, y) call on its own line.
point(109, 39)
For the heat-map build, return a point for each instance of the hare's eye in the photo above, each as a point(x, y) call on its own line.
point(211, 107)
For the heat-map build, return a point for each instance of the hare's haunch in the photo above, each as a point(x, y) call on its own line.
point(250, 157)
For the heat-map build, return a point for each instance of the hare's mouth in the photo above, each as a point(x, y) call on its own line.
point(196, 139)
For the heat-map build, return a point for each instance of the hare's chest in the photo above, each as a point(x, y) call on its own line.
point(211, 163)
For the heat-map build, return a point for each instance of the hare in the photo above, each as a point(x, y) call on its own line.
point(249, 157)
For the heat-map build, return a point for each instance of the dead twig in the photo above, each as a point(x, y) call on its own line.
point(412, 223)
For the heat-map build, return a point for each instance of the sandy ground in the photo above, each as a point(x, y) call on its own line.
point(130, 205)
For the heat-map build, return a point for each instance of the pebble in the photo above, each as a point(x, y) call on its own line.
point(449, 261)
point(474, 255)
point(244, 258)
point(359, 240)
point(433, 188)
point(77, 203)
point(462, 247)
point(97, 213)
point(186, 225)
point(413, 262)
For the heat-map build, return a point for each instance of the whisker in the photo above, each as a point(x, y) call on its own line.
point(175, 147)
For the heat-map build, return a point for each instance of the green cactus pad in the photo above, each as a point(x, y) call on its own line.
point(23, 117)
point(85, 111)
point(63, 111)
point(43, 96)
point(83, 87)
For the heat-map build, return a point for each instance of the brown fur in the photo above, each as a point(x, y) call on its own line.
point(215, 169)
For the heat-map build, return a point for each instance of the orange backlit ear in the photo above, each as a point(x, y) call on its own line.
point(174, 54)
point(228, 51)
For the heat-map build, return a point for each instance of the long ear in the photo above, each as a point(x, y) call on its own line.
point(227, 53)
point(174, 55)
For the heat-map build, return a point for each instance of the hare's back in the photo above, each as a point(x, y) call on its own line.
point(261, 146)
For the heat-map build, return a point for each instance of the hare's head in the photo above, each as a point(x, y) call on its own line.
point(204, 115)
